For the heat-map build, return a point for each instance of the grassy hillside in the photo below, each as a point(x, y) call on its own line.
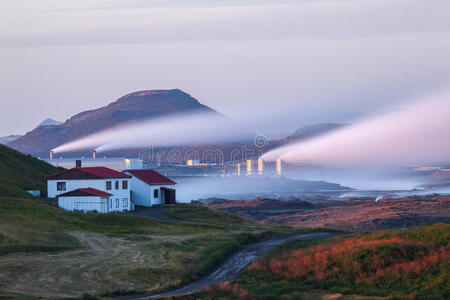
point(49, 252)
point(402, 264)
point(20, 172)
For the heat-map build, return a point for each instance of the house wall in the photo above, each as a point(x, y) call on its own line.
point(160, 199)
point(142, 192)
point(87, 203)
point(123, 196)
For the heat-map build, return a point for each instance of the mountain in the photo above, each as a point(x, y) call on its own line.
point(20, 172)
point(7, 139)
point(49, 122)
point(130, 108)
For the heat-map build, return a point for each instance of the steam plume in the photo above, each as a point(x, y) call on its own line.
point(177, 129)
point(416, 134)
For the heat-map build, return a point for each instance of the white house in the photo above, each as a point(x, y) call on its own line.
point(85, 199)
point(150, 187)
point(69, 182)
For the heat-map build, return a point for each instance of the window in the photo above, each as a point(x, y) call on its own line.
point(117, 203)
point(155, 193)
point(108, 185)
point(117, 184)
point(110, 202)
point(124, 185)
point(60, 186)
point(125, 202)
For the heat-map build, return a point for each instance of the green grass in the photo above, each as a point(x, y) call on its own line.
point(216, 249)
point(211, 249)
point(28, 225)
point(52, 244)
point(200, 214)
point(18, 296)
point(20, 172)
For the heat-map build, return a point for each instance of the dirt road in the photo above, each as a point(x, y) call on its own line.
point(231, 267)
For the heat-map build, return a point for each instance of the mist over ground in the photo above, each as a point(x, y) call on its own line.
point(313, 185)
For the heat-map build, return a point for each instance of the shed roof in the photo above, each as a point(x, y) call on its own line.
point(88, 173)
point(85, 192)
point(151, 177)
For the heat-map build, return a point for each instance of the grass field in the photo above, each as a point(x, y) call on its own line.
point(20, 172)
point(49, 252)
point(398, 264)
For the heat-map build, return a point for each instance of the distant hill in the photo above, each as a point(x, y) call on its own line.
point(20, 172)
point(130, 108)
point(356, 214)
point(139, 106)
point(7, 139)
point(49, 122)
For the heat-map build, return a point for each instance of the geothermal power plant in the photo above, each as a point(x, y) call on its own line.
point(248, 167)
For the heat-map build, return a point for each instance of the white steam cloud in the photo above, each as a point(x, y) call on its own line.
point(177, 129)
point(416, 134)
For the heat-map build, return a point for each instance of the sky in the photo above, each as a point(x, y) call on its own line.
point(273, 65)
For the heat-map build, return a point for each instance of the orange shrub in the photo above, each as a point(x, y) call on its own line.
point(357, 260)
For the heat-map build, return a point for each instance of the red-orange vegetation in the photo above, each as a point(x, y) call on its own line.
point(225, 288)
point(367, 259)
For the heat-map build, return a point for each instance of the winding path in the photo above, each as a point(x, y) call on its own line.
point(231, 267)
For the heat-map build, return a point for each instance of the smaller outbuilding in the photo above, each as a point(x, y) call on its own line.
point(151, 188)
point(85, 199)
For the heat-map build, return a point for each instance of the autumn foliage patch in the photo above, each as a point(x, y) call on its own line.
point(415, 260)
point(228, 290)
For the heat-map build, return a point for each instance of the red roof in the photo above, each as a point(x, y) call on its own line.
point(151, 177)
point(88, 173)
point(86, 192)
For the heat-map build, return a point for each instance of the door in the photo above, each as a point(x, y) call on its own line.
point(168, 196)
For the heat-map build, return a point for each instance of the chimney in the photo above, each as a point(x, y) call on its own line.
point(51, 154)
point(260, 166)
point(249, 167)
point(78, 163)
point(93, 154)
point(279, 166)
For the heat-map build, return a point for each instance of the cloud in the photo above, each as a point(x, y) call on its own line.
point(176, 21)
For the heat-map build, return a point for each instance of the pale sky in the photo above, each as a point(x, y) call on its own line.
point(274, 65)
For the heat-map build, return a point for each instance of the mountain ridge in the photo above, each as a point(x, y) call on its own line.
point(49, 122)
point(130, 108)
point(7, 139)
